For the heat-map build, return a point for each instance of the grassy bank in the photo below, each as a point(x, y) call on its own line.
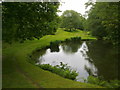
point(19, 73)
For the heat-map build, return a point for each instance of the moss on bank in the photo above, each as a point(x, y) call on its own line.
point(19, 73)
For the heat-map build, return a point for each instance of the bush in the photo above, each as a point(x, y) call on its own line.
point(71, 30)
point(62, 70)
point(101, 82)
point(74, 39)
point(55, 42)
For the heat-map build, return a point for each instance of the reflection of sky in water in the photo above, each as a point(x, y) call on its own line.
point(78, 61)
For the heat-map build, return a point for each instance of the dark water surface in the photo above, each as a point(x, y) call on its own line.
point(97, 58)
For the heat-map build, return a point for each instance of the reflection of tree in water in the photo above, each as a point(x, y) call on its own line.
point(84, 50)
point(36, 54)
point(54, 48)
point(104, 57)
point(71, 46)
point(89, 71)
point(41, 59)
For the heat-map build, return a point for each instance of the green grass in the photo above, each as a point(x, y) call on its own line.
point(19, 73)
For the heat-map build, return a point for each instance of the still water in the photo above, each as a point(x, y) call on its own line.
point(97, 58)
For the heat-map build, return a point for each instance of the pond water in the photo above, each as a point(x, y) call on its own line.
point(97, 58)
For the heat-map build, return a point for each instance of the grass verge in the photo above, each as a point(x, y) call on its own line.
point(19, 73)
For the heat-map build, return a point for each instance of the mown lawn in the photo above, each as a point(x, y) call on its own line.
point(19, 73)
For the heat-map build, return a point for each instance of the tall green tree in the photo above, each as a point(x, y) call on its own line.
point(22, 21)
point(72, 20)
point(94, 23)
point(103, 22)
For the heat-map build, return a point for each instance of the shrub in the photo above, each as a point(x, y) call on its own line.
point(55, 42)
point(101, 82)
point(62, 70)
point(76, 38)
point(71, 30)
point(73, 39)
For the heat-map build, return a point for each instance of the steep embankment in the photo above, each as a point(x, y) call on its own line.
point(19, 73)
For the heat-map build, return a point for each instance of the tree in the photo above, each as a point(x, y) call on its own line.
point(0, 22)
point(72, 20)
point(109, 15)
point(94, 23)
point(103, 22)
point(22, 21)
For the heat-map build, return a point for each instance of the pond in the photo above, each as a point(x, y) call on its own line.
point(96, 57)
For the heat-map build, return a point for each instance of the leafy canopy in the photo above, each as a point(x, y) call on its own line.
point(72, 20)
point(103, 22)
point(22, 21)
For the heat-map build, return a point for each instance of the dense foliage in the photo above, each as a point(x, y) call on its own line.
point(0, 21)
point(99, 81)
point(72, 20)
point(31, 20)
point(62, 70)
point(103, 22)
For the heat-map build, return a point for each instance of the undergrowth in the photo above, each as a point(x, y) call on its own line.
point(62, 70)
point(101, 82)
